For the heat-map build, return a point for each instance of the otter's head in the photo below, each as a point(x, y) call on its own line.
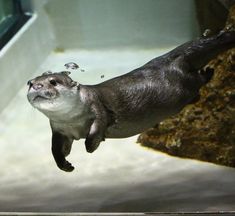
point(52, 92)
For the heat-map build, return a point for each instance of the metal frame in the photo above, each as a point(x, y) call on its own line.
point(13, 23)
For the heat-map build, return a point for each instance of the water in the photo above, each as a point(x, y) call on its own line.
point(119, 176)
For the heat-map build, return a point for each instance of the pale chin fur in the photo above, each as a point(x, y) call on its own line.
point(63, 104)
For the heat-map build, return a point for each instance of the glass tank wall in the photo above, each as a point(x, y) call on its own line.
point(106, 38)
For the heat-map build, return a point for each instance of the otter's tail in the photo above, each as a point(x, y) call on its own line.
point(199, 52)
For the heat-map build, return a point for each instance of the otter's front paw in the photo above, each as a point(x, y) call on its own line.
point(92, 143)
point(66, 166)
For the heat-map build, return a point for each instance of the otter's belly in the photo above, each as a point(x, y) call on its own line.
point(75, 131)
point(133, 125)
point(137, 120)
point(124, 131)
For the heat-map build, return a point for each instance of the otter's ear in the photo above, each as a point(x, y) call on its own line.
point(66, 73)
point(47, 72)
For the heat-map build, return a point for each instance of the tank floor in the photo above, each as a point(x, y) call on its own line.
point(120, 176)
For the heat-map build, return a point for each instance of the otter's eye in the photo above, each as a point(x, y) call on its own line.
point(53, 82)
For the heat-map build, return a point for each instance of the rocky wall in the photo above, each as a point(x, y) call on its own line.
point(204, 130)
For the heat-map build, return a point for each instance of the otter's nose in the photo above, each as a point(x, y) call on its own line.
point(35, 86)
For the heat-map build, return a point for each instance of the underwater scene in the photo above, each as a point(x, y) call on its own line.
point(103, 110)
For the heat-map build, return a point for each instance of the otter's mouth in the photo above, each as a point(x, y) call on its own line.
point(39, 97)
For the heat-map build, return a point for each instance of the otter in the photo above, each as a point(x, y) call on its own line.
point(125, 105)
